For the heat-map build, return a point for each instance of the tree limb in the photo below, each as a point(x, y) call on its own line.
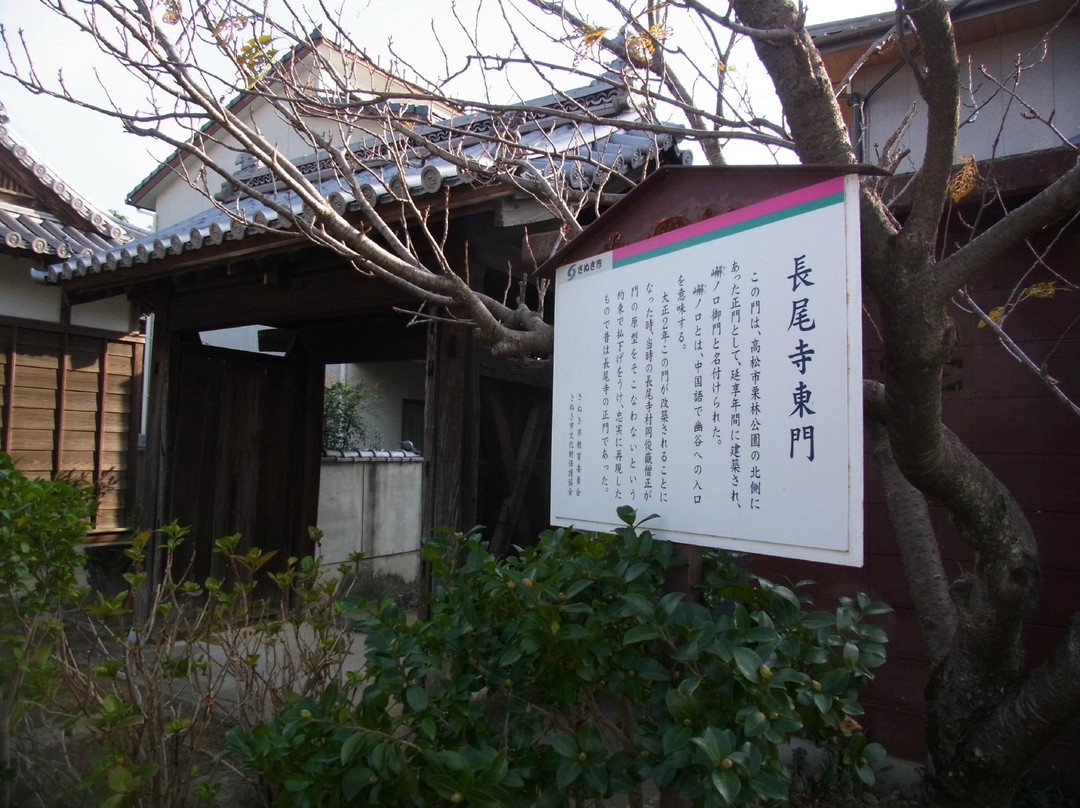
point(942, 96)
point(915, 537)
point(1057, 200)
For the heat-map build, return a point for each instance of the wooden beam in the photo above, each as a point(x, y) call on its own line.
point(313, 297)
point(378, 338)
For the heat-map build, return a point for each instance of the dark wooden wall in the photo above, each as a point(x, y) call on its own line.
point(241, 437)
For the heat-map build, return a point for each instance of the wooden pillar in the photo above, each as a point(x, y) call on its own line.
point(450, 417)
point(310, 381)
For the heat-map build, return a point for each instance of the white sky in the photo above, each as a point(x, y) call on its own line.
point(103, 163)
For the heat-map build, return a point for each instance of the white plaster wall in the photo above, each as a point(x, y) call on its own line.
point(21, 297)
point(373, 507)
point(111, 314)
point(393, 382)
point(1048, 86)
point(175, 199)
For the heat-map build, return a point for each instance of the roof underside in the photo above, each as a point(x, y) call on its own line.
point(842, 42)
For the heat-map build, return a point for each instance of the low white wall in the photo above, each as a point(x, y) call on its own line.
point(369, 502)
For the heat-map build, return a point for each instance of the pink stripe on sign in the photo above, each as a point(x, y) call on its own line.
point(788, 200)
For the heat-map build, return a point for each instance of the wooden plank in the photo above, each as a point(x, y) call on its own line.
point(133, 425)
point(491, 395)
point(81, 381)
point(87, 461)
point(82, 344)
point(118, 422)
point(67, 328)
point(1040, 483)
point(38, 377)
point(61, 405)
point(99, 447)
point(114, 499)
point(37, 359)
point(80, 360)
point(7, 403)
point(116, 384)
point(449, 489)
point(122, 365)
point(533, 372)
point(84, 461)
point(1040, 425)
point(34, 398)
point(27, 462)
point(88, 440)
point(46, 399)
point(45, 418)
point(113, 461)
point(998, 375)
point(117, 403)
point(340, 293)
point(510, 514)
point(121, 348)
point(33, 340)
point(37, 440)
point(110, 518)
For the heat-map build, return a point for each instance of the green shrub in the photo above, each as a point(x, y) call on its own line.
point(567, 673)
point(346, 408)
point(42, 524)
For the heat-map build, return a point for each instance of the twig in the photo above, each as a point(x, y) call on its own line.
point(1018, 353)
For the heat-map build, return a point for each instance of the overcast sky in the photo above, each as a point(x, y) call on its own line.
point(95, 157)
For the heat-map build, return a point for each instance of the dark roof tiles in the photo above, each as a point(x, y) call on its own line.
point(549, 144)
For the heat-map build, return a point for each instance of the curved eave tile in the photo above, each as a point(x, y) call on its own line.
point(103, 223)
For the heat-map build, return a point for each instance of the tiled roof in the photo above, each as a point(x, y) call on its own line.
point(43, 234)
point(40, 231)
point(543, 140)
point(370, 456)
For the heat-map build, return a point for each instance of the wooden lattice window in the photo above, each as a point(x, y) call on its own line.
point(69, 404)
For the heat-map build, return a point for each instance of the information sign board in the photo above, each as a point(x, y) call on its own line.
point(712, 375)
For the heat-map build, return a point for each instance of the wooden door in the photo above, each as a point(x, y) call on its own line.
point(244, 458)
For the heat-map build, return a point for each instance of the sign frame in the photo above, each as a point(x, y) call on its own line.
point(827, 213)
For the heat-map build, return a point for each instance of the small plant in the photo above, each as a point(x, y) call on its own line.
point(346, 408)
point(42, 523)
point(566, 676)
point(145, 694)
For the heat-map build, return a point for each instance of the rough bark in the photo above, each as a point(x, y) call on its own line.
point(915, 537)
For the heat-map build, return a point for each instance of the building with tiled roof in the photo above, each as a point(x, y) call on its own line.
point(231, 434)
point(69, 374)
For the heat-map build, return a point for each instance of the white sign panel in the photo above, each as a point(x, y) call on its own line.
point(712, 375)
